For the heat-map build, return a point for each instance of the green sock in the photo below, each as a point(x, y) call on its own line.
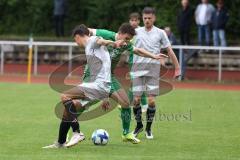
point(126, 119)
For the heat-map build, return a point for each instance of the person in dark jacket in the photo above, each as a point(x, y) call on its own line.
point(59, 13)
point(184, 20)
point(219, 20)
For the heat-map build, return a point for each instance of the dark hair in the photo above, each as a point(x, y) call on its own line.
point(148, 10)
point(127, 28)
point(134, 15)
point(81, 30)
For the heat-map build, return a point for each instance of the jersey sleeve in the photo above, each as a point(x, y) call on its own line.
point(105, 34)
point(164, 40)
point(130, 49)
point(93, 42)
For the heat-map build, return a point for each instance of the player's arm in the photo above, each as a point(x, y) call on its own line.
point(166, 44)
point(174, 60)
point(105, 34)
point(105, 42)
point(144, 53)
point(92, 31)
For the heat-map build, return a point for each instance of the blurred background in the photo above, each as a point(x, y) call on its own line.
point(53, 21)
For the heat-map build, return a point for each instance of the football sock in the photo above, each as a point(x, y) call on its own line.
point(138, 115)
point(126, 119)
point(63, 130)
point(150, 116)
point(75, 126)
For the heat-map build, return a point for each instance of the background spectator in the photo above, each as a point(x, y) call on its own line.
point(59, 13)
point(219, 20)
point(203, 16)
point(184, 20)
point(171, 36)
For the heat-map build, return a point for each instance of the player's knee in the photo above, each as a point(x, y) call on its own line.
point(125, 104)
point(137, 101)
point(151, 101)
point(64, 97)
point(77, 104)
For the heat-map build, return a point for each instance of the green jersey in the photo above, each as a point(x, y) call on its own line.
point(115, 53)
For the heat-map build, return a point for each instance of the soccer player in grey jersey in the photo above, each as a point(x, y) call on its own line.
point(146, 71)
point(97, 88)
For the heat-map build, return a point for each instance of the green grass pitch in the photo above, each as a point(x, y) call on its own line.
point(205, 126)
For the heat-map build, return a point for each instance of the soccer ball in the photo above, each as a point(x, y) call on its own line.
point(100, 137)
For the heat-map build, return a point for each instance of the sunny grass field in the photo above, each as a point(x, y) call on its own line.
point(27, 123)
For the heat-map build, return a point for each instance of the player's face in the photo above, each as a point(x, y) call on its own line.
point(126, 37)
point(78, 40)
point(134, 22)
point(148, 20)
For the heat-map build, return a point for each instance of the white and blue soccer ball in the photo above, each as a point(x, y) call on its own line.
point(100, 137)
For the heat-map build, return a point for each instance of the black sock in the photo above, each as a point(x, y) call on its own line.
point(137, 110)
point(63, 130)
point(75, 126)
point(150, 116)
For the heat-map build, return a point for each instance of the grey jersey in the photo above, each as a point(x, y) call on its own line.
point(98, 60)
point(152, 41)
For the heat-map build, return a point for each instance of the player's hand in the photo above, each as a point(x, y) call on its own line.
point(177, 73)
point(120, 43)
point(105, 105)
point(160, 56)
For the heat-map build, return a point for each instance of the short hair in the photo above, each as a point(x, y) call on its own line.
point(134, 15)
point(81, 30)
point(126, 28)
point(149, 10)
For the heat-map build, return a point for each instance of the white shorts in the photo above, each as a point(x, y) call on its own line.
point(145, 84)
point(94, 91)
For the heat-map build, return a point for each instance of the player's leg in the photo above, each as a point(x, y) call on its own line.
point(144, 102)
point(120, 96)
point(77, 136)
point(75, 125)
point(63, 130)
point(73, 109)
point(152, 87)
point(138, 89)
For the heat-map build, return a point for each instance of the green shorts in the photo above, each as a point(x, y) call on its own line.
point(115, 84)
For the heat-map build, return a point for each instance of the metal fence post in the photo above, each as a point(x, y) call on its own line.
point(35, 60)
point(220, 66)
point(2, 60)
point(181, 62)
point(70, 60)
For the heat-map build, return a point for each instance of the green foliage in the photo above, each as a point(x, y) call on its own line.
point(26, 16)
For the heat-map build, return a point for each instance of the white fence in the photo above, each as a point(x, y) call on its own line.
point(70, 46)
